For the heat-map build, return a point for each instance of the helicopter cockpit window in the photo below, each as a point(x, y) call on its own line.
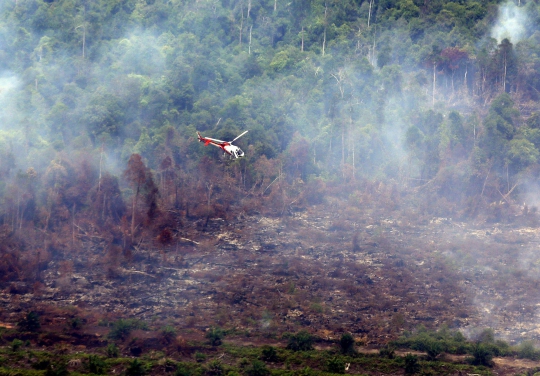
point(239, 152)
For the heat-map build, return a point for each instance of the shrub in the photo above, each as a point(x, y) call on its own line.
point(301, 341)
point(122, 328)
point(215, 335)
point(482, 355)
point(136, 368)
point(526, 350)
point(75, 323)
point(112, 351)
point(215, 368)
point(305, 372)
point(269, 353)
point(335, 365)
point(257, 368)
point(96, 365)
point(42, 364)
point(168, 333)
point(346, 344)
point(428, 342)
point(30, 323)
point(182, 370)
point(411, 364)
point(57, 369)
point(16, 344)
point(120, 331)
point(200, 357)
point(434, 343)
point(433, 348)
point(486, 336)
point(501, 348)
point(388, 352)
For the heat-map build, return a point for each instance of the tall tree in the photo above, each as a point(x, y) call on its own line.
point(135, 174)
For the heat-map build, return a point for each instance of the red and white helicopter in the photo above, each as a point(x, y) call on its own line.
point(227, 146)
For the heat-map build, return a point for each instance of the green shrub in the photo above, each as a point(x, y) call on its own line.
point(215, 368)
point(200, 357)
point(501, 348)
point(112, 350)
point(257, 368)
point(412, 365)
point(486, 336)
point(168, 333)
point(388, 352)
point(482, 354)
point(215, 335)
point(433, 348)
point(30, 323)
point(75, 323)
point(434, 342)
point(182, 370)
point(122, 328)
point(526, 350)
point(16, 344)
point(346, 344)
point(305, 372)
point(335, 365)
point(269, 354)
point(96, 365)
point(301, 341)
point(136, 368)
point(429, 343)
point(57, 369)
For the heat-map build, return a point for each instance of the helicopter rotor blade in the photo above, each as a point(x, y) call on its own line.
point(239, 136)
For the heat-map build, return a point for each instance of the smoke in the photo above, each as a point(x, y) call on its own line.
point(511, 23)
point(9, 84)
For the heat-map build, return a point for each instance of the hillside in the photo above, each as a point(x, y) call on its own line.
point(389, 184)
point(259, 278)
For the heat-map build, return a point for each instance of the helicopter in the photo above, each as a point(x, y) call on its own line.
point(227, 146)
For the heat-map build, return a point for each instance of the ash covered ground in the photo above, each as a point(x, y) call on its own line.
point(329, 269)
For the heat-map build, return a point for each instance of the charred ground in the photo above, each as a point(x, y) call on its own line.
point(336, 267)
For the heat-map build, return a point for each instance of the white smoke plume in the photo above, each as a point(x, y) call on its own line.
point(9, 84)
point(511, 23)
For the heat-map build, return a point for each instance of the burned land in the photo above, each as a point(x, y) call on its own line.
point(337, 267)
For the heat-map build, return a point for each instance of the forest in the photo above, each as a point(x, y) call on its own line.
point(388, 140)
point(101, 102)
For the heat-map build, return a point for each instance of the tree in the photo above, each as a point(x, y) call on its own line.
point(301, 341)
point(522, 153)
point(30, 323)
point(499, 128)
point(136, 368)
point(269, 353)
point(508, 64)
point(346, 344)
point(257, 368)
point(482, 354)
point(215, 335)
point(412, 365)
point(105, 199)
point(335, 365)
point(135, 174)
point(454, 58)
